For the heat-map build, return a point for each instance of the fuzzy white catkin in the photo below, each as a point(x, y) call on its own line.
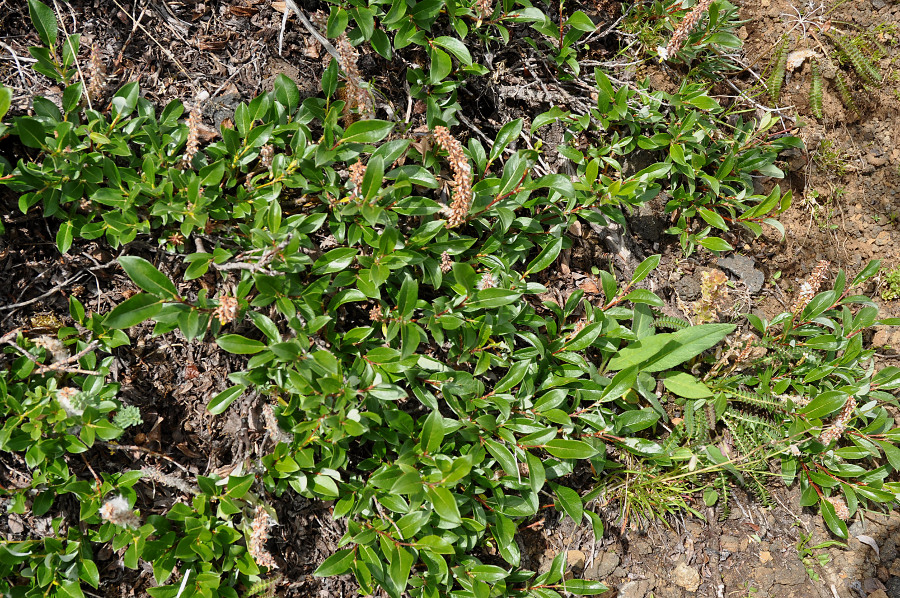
point(116, 510)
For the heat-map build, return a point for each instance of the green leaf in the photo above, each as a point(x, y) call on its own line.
point(504, 532)
point(336, 564)
point(444, 504)
point(65, 236)
point(373, 178)
point(825, 404)
point(513, 376)
point(570, 449)
point(835, 524)
point(367, 131)
point(146, 276)
point(621, 384)
point(31, 132)
point(240, 345)
point(44, 20)
point(687, 386)
point(570, 502)
point(584, 587)
point(5, 100)
point(455, 47)
point(441, 66)
point(715, 244)
point(503, 456)
point(688, 343)
point(432, 433)
point(644, 296)
point(221, 401)
point(644, 269)
point(133, 311)
point(125, 100)
point(548, 253)
point(286, 92)
point(335, 260)
point(507, 134)
point(712, 218)
point(581, 22)
point(637, 419)
point(87, 570)
point(409, 293)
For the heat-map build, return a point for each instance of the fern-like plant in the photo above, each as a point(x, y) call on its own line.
point(779, 67)
point(816, 91)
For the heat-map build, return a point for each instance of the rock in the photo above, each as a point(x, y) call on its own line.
point(879, 594)
point(602, 566)
point(765, 556)
point(636, 589)
point(686, 577)
point(575, 559)
point(892, 587)
point(744, 268)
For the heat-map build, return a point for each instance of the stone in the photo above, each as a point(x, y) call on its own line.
point(744, 268)
point(635, 589)
point(765, 556)
point(879, 594)
point(603, 565)
point(686, 577)
point(892, 587)
point(575, 559)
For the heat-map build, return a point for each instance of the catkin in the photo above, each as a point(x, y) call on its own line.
point(462, 184)
point(684, 29)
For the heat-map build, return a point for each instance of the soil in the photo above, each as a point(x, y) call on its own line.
point(846, 209)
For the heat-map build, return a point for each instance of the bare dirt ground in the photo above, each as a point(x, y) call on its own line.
point(846, 209)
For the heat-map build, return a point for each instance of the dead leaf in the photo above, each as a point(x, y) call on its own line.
point(871, 542)
point(243, 11)
point(589, 286)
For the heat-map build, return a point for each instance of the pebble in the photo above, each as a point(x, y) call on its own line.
point(686, 577)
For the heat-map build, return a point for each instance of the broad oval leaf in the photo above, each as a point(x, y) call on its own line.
point(367, 131)
point(336, 564)
point(221, 401)
point(145, 275)
point(240, 345)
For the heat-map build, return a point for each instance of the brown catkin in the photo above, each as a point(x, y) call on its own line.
point(259, 533)
point(462, 183)
point(836, 429)
point(840, 507)
point(810, 287)
point(96, 75)
point(684, 29)
point(357, 174)
point(483, 9)
point(193, 139)
point(357, 96)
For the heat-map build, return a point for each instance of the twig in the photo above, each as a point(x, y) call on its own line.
point(165, 50)
point(43, 368)
point(264, 260)
point(291, 5)
point(58, 366)
point(140, 449)
point(74, 53)
point(47, 294)
point(18, 64)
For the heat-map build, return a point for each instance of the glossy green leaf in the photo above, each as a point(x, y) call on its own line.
point(145, 275)
point(240, 345)
point(336, 564)
point(221, 401)
point(367, 131)
point(135, 310)
point(44, 21)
